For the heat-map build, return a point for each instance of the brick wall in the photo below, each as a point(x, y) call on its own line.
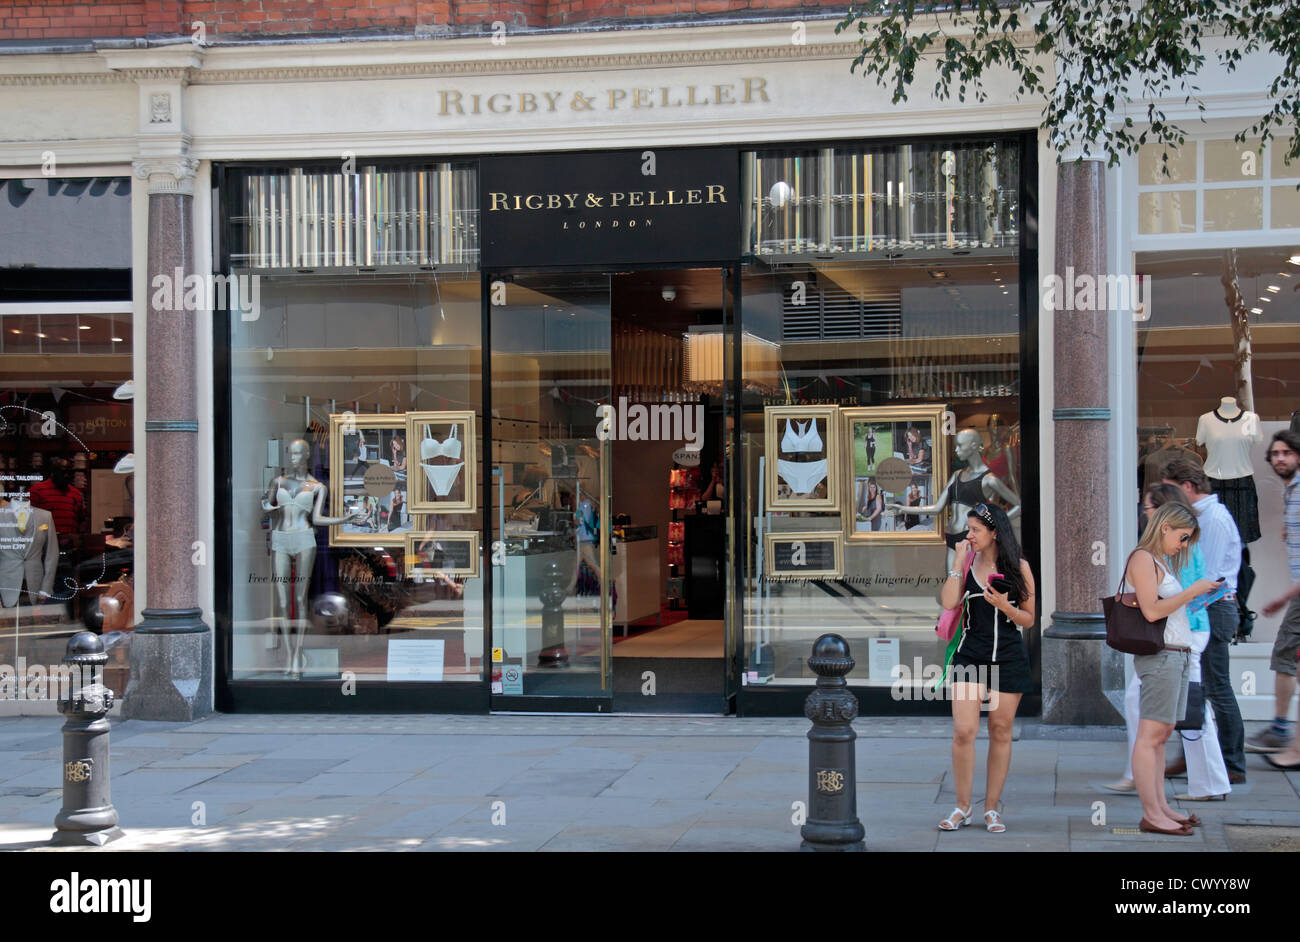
point(70, 19)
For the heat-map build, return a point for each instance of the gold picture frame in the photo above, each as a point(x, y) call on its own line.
point(363, 478)
point(418, 565)
point(774, 568)
point(903, 451)
point(427, 454)
point(800, 420)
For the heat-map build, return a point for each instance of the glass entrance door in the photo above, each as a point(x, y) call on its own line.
point(550, 478)
point(612, 475)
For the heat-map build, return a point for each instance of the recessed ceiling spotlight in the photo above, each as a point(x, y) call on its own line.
point(117, 340)
point(1273, 289)
point(1257, 310)
point(1294, 259)
point(83, 327)
point(42, 336)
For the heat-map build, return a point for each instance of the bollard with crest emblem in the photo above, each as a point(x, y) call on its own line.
point(832, 823)
point(87, 816)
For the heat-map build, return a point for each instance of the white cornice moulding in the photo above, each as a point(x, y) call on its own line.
point(115, 150)
point(158, 62)
point(755, 131)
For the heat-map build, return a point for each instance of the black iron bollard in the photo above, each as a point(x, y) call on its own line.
point(832, 777)
point(87, 815)
point(553, 653)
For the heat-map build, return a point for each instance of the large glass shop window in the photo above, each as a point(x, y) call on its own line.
point(882, 398)
point(356, 428)
point(1218, 374)
point(67, 488)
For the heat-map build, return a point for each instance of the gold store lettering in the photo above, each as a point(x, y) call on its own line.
point(506, 202)
point(452, 101)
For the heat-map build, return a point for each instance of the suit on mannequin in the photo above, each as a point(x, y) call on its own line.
point(29, 553)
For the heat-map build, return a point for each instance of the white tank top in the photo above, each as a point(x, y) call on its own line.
point(1178, 629)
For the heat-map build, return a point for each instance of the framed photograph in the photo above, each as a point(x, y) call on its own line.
point(817, 555)
point(431, 553)
point(444, 470)
point(895, 458)
point(368, 476)
point(802, 447)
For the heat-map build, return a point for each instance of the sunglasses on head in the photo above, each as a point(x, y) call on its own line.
point(982, 511)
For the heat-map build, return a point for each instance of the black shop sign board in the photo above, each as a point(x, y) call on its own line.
point(647, 206)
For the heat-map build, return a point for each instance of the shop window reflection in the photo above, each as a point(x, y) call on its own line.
point(920, 364)
point(322, 384)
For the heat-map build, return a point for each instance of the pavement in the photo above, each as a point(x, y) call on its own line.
point(594, 783)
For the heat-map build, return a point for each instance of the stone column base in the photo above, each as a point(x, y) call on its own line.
point(1083, 678)
point(171, 668)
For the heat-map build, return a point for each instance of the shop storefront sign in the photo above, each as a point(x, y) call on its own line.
point(620, 207)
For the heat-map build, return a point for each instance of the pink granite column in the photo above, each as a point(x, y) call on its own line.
point(1078, 667)
point(171, 650)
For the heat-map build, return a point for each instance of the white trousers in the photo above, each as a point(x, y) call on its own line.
point(1206, 773)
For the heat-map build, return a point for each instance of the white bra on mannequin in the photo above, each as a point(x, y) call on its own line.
point(448, 448)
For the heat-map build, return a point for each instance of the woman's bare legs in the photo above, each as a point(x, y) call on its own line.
point(1002, 717)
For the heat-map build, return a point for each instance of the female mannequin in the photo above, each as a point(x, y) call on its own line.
point(1229, 436)
point(965, 490)
point(300, 500)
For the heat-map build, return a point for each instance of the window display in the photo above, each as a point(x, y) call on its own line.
point(805, 441)
point(447, 466)
point(67, 559)
point(331, 563)
point(369, 497)
point(437, 554)
point(915, 366)
point(896, 455)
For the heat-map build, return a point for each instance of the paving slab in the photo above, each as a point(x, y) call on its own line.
point(266, 769)
point(545, 782)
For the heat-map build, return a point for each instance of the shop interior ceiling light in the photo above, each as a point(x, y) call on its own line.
point(706, 371)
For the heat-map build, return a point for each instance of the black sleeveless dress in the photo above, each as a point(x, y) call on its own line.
point(991, 640)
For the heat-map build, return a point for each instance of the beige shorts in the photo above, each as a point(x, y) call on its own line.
point(1287, 645)
point(1164, 678)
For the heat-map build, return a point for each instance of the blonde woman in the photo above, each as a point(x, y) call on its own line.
point(1150, 574)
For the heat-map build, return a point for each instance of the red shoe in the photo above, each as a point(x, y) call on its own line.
point(1149, 828)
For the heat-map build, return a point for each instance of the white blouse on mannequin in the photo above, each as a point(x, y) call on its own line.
point(1228, 442)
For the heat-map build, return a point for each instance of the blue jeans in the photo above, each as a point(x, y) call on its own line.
point(1217, 683)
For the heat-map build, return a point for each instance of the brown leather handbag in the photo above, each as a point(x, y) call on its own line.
point(1127, 629)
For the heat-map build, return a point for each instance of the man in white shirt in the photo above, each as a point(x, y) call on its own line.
point(1221, 548)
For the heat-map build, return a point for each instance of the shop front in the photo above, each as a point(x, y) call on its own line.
point(617, 430)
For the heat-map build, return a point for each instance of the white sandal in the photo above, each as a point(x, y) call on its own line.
point(952, 823)
point(993, 822)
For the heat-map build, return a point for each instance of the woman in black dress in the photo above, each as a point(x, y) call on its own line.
point(990, 659)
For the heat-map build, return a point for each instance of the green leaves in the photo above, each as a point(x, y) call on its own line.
point(1106, 57)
